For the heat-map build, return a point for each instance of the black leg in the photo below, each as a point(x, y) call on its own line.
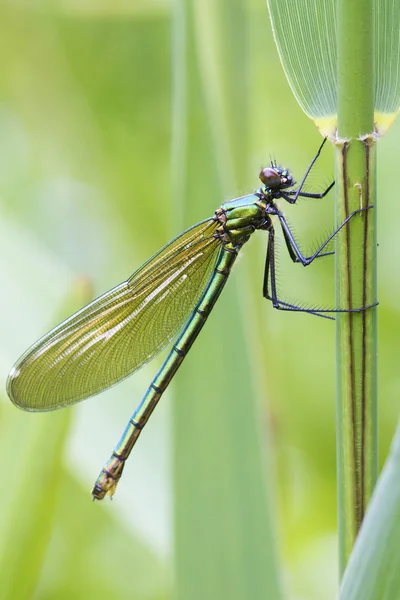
point(320, 312)
point(295, 193)
point(306, 260)
point(306, 174)
point(270, 266)
point(270, 272)
point(289, 247)
point(292, 253)
point(270, 276)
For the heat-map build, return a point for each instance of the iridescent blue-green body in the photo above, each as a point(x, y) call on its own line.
point(120, 331)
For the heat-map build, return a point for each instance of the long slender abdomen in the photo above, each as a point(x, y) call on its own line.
point(112, 470)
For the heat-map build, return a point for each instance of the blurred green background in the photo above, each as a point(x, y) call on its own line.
point(120, 127)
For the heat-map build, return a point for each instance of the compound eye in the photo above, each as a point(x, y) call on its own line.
point(289, 179)
point(270, 177)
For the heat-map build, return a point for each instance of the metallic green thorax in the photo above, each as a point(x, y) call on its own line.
point(239, 218)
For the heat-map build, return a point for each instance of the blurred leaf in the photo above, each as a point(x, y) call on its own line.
point(305, 34)
point(387, 63)
point(91, 543)
point(33, 481)
point(98, 8)
point(78, 170)
point(35, 451)
point(222, 509)
point(373, 571)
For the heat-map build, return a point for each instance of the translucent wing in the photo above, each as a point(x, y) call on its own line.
point(120, 331)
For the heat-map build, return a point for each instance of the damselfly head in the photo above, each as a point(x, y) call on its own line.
point(275, 177)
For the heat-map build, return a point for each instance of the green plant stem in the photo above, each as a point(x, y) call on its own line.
point(356, 270)
point(224, 539)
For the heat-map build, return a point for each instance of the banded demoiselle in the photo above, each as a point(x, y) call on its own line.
point(126, 327)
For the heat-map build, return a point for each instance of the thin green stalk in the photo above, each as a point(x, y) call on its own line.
point(356, 270)
point(224, 540)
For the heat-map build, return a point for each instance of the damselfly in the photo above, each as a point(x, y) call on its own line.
point(123, 329)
